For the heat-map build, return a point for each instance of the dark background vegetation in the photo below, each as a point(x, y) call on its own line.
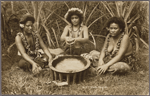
point(50, 23)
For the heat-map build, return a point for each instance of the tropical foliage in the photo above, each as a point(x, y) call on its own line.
point(50, 23)
point(50, 19)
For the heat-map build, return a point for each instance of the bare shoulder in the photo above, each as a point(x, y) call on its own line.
point(84, 27)
point(67, 26)
point(107, 36)
point(126, 38)
point(17, 38)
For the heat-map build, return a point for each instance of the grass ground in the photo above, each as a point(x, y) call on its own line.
point(16, 81)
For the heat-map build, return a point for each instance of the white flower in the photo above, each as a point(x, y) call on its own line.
point(75, 9)
point(22, 25)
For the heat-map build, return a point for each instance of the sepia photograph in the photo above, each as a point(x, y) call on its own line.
point(75, 47)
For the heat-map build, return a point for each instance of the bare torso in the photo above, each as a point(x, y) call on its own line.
point(113, 46)
point(30, 41)
point(76, 34)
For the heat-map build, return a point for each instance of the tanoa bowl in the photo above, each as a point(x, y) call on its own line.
point(70, 68)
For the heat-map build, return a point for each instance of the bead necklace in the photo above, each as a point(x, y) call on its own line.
point(27, 46)
point(113, 54)
point(72, 31)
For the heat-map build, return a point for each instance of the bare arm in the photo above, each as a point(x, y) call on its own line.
point(64, 34)
point(45, 49)
point(21, 49)
point(102, 55)
point(118, 57)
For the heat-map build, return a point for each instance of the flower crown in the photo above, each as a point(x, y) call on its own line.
point(73, 9)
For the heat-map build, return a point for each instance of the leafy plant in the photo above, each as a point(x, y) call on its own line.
point(50, 19)
point(131, 14)
point(41, 17)
point(86, 14)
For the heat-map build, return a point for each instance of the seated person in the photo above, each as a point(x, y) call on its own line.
point(75, 34)
point(28, 42)
point(117, 53)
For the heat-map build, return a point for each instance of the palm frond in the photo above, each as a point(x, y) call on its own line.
point(83, 3)
point(129, 10)
point(124, 9)
point(138, 38)
point(49, 15)
point(91, 14)
point(94, 42)
point(12, 6)
point(108, 8)
point(9, 48)
point(62, 18)
point(55, 36)
point(67, 5)
point(50, 3)
point(58, 26)
point(147, 46)
point(134, 18)
point(84, 12)
point(96, 20)
point(98, 35)
point(34, 9)
point(130, 32)
point(119, 6)
point(48, 36)
point(24, 3)
point(39, 11)
point(106, 16)
point(133, 21)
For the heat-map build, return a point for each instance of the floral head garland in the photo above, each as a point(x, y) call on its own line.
point(73, 9)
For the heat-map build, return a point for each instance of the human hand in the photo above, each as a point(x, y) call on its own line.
point(50, 60)
point(70, 40)
point(100, 62)
point(102, 69)
point(36, 68)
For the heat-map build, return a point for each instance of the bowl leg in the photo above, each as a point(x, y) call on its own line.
point(84, 74)
point(51, 74)
point(80, 77)
point(68, 79)
point(74, 78)
point(60, 77)
point(55, 75)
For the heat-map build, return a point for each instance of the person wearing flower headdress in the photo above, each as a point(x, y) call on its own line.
point(75, 34)
point(117, 55)
point(28, 43)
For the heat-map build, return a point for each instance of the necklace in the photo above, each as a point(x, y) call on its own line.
point(118, 46)
point(75, 30)
point(72, 32)
point(27, 41)
point(27, 46)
